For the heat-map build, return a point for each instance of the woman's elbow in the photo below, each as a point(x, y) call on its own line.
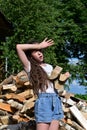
point(17, 46)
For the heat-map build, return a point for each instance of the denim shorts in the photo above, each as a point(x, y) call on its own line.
point(48, 107)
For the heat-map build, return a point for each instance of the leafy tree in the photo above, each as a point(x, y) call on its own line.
point(77, 34)
point(62, 20)
point(34, 19)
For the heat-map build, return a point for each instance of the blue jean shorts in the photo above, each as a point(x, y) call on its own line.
point(48, 107)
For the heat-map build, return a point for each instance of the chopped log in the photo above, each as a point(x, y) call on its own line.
point(7, 107)
point(65, 109)
point(68, 95)
point(68, 101)
point(68, 127)
point(55, 73)
point(64, 77)
point(69, 121)
point(28, 84)
point(15, 104)
point(28, 105)
point(58, 86)
point(21, 78)
point(0, 89)
point(13, 96)
point(11, 87)
point(8, 80)
point(1, 100)
point(3, 113)
point(22, 73)
point(76, 126)
point(18, 118)
point(27, 93)
point(84, 108)
point(5, 120)
point(69, 115)
point(81, 119)
point(84, 114)
point(65, 126)
point(63, 93)
point(62, 128)
point(18, 81)
point(3, 127)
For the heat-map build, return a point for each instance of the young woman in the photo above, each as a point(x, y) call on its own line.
point(48, 109)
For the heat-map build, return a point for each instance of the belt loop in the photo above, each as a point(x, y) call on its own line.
point(54, 101)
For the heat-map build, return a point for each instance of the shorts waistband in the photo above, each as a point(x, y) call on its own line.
point(47, 95)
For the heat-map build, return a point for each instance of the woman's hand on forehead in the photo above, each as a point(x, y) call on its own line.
point(46, 43)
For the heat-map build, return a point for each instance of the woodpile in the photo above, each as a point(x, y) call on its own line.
point(17, 103)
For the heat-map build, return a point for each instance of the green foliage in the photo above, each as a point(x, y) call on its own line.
point(35, 20)
point(84, 97)
point(64, 21)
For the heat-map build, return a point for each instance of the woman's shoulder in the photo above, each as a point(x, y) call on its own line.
point(46, 65)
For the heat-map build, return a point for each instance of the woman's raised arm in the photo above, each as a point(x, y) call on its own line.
point(21, 48)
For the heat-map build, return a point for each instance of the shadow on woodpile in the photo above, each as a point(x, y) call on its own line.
point(31, 125)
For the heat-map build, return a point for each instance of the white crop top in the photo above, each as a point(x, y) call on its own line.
point(48, 69)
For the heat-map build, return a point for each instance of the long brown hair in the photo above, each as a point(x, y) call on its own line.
point(38, 76)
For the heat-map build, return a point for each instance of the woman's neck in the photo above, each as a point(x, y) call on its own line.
point(43, 64)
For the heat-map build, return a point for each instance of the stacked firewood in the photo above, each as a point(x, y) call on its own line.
point(17, 103)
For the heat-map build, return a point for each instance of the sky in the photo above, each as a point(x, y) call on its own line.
point(76, 88)
point(73, 61)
